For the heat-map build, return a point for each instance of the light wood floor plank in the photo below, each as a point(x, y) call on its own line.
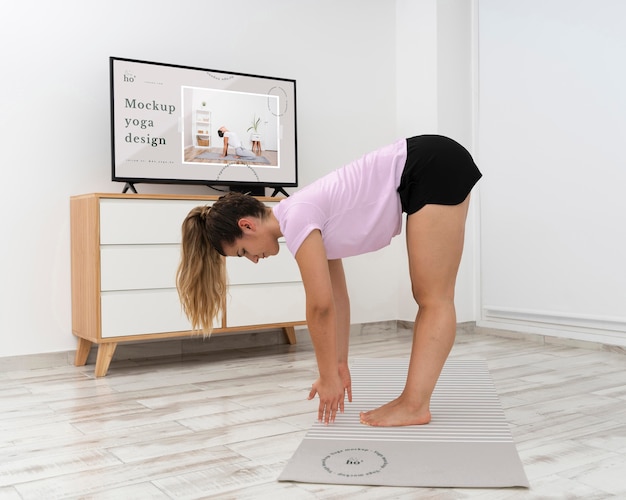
point(223, 424)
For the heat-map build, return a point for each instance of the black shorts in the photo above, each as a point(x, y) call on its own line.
point(438, 171)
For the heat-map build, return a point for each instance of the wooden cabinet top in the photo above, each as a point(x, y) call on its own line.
point(128, 196)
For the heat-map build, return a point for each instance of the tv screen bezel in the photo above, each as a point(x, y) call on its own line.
point(289, 164)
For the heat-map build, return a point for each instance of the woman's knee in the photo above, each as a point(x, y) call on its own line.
point(431, 298)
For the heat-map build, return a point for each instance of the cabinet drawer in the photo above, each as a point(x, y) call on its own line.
point(142, 312)
point(143, 221)
point(265, 304)
point(130, 267)
point(276, 269)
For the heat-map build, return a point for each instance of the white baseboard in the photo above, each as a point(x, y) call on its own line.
point(604, 330)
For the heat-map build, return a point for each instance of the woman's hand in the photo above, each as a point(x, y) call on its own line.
point(331, 393)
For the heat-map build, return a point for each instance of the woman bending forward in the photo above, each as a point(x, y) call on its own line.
point(351, 211)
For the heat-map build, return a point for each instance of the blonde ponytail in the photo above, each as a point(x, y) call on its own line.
point(201, 276)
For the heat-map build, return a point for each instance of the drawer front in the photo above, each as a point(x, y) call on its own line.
point(276, 269)
point(128, 267)
point(265, 304)
point(142, 312)
point(134, 221)
point(133, 267)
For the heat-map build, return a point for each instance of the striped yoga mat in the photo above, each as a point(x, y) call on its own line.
point(467, 444)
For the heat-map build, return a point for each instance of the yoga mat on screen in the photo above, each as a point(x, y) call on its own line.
point(217, 156)
point(467, 444)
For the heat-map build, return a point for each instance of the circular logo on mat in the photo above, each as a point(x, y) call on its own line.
point(354, 462)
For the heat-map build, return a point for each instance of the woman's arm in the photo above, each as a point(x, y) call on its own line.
point(342, 310)
point(225, 151)
point(321, 319)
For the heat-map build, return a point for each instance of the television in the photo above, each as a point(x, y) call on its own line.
point(166, 119)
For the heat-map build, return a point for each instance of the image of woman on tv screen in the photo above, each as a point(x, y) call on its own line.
point(231, 139)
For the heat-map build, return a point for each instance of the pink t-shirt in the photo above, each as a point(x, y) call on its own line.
point(356, 208)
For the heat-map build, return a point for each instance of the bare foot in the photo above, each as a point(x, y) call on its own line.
point(396, 413)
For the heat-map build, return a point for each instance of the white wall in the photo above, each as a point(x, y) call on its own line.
point(552, 133)
point(55, 122)
point(435, 96)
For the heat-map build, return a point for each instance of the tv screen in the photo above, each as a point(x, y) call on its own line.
point(178, 124)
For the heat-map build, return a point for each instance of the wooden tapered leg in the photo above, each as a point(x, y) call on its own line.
point(290, 333)
point(82, 352)
point(105, 354)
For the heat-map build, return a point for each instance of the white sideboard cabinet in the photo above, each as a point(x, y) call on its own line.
point(125, 250)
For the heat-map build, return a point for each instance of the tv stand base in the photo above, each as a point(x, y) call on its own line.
point(129, 186)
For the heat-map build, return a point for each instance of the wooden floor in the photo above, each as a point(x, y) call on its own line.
point(223, 424)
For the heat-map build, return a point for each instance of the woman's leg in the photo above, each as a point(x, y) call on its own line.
point(435, 236)
point(245, 154)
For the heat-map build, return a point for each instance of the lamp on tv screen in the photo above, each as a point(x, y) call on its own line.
point(183, 125)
